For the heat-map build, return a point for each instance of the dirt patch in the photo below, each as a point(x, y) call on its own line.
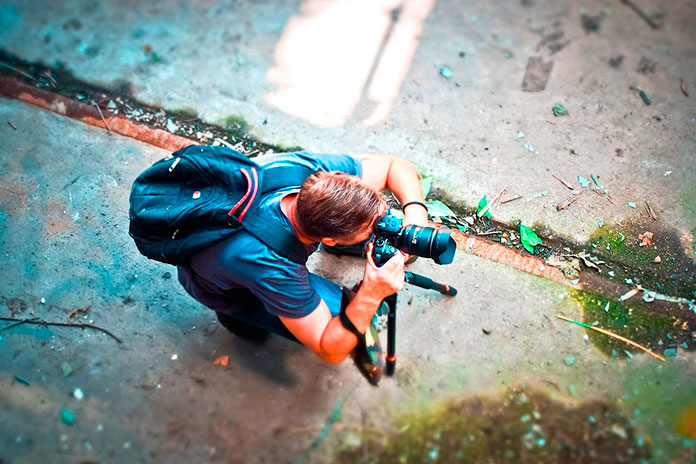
point(521, 427)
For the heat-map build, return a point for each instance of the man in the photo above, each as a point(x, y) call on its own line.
point(254, 290)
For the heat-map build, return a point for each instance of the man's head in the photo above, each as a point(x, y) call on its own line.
point(338, 207)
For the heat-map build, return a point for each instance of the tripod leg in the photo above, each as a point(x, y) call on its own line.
point(391, 335)
point(428, 283)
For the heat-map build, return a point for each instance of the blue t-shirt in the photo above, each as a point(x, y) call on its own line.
point(243, 261)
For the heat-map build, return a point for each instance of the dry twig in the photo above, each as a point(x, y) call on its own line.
point(18, 71)
point(640, 13)
point(488, 206)
point(23, 321)
point(359, 428)
point(77, 311)
point(612, 334)
point(509, 199)
point(227, 144)
point(570, 187)
point(61, 324)
point(683, 87)
point(102, 116)
point(567, 204)
point(650, 211)
point(47, 75)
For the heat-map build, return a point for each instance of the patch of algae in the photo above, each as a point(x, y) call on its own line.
point(519, 427)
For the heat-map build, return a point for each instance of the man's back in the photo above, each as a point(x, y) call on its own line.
point(243, 261)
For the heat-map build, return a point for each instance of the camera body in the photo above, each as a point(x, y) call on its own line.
point(428, 242)
point(387, 233)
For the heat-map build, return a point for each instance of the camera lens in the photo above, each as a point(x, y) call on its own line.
point(428, 242)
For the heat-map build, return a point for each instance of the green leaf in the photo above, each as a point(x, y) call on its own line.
point(559, 110)
point(482, 204)
point(461, 227)
point(439, 209)
point(426, 184)
point(529, 238)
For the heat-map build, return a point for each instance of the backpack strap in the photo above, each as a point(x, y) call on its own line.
point(266, 229)
point(276, 177)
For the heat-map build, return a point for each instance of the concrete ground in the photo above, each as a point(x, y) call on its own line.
point(375, 81)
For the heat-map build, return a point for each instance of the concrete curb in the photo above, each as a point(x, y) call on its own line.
point(89, 114)
point(510, 257)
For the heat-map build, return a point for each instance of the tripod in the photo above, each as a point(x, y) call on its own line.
point(419, 281)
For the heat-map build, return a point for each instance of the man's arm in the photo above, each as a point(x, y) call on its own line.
point(325, 335)
point(400, 177)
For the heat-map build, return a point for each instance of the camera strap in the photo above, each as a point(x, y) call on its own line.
point(348, 324)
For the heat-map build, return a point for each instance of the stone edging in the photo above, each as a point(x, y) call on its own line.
point(89, 114)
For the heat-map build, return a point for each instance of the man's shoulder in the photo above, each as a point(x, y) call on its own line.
point(315, 161)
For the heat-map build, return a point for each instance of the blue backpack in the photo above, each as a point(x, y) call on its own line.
point(202, 194)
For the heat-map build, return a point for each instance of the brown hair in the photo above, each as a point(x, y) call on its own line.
point(336, 205)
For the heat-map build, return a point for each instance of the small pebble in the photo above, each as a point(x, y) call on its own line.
point(445, 72)
point(67, 417)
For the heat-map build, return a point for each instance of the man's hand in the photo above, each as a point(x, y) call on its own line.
point(380, 282)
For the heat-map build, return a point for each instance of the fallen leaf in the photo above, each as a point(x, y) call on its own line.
point(646, 238)
point(222, 360)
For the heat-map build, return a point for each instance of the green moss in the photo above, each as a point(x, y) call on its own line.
point(671, 273)
point(636, 325)
point(236, 124)
point(520, 427)
point(622, 243)
point(185, 112)
point(282, 148)
point(546, 232)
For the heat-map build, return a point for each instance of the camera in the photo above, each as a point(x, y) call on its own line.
point(428, 242)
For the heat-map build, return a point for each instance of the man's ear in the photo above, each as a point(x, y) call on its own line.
point(328, 241)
